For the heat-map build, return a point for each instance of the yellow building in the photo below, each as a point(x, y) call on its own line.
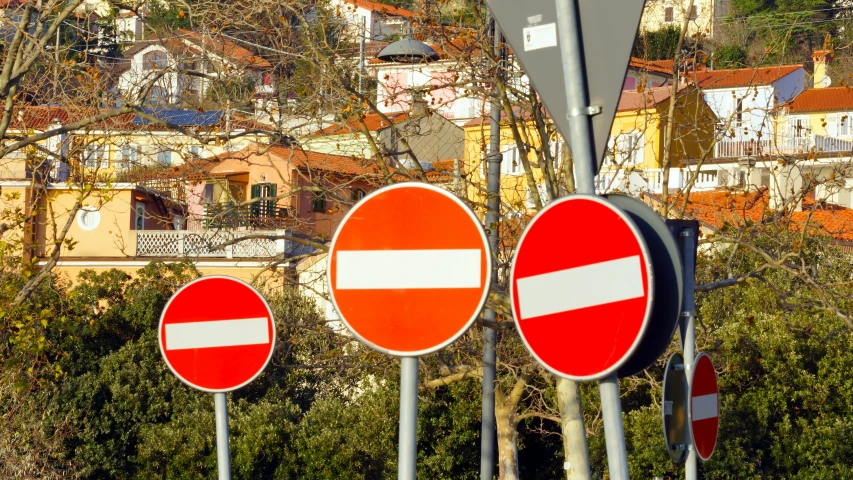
point(638, 136)
point(515, 194)
point(636, 145)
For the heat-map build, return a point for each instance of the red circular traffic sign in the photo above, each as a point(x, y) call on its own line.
point(409, 269)
point(704, 407)
point(580, 286)
point(217, 333)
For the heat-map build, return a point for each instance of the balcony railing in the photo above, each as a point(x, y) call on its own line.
point(254, 216)
point(736, 148)
point(652, 180)
point(212, 244)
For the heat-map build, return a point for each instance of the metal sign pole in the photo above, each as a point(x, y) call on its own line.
point(408, 449)
point(490, 337)
point(580, 141)
point(223, 455)
point(689, 338)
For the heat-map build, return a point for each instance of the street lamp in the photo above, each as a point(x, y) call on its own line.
point(408, 50)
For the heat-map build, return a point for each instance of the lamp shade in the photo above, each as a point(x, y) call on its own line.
point(408, 50)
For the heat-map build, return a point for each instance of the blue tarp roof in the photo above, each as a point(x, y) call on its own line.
point(185, 118)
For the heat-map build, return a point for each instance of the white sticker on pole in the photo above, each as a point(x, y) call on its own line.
point(540, 36)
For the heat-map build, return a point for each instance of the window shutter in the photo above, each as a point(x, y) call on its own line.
point(256, 193)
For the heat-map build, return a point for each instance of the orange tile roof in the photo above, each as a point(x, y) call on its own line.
point(718, 208)
point(224, 47)
point(325, 161)
point(650, 97)
point(820, 99)
point(741, 77)
point(381, 8)
point(373, 121)
point(658, 66)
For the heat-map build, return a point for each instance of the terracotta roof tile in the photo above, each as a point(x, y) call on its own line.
point(820, 99)
point(325, 161)
point(741, 77)
point(382, 8)
point(226, 48)
point(718, 208)
point(650, 97)
point(373, 121)
point(658, 66)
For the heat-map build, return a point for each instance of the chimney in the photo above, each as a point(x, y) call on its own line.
point(419, 104)
point(822, 59)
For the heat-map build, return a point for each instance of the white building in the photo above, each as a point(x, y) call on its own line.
point(745, 100)
point(183, 66)
point(376, 20)
point(706, 17)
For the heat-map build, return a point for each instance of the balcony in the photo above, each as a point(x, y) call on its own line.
point(212, 244)
point(735, 148)
point(652, 180)
point(262, 215)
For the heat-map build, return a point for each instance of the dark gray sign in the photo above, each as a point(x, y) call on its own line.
point(668, 284)
point(675, 408)
point(608, 27)
point(678, 228)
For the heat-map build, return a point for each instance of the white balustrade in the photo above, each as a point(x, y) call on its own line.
point(186, 243)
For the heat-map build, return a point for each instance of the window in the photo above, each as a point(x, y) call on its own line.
point(139, 220)
point(128, 156)
point(798, 127)
point(357, 194)
point(194, 151)
point(265, 207)
point(164, 158)
point(153, 60)
point(158, 97)
point(208, 193)
point(178, 222)
point(669, 14)
point(630, 147)
point(838, 126)
point(511, 164)
point(318, 202)
point(88, 218)
point(96, 156)
point(739, 112)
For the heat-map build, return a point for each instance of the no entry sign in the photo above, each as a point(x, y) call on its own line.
point(580, 286)
point(409, 269)
point(704, 407)
point(217, 333)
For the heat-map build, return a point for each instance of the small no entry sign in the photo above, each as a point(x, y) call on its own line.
point(409, 269)
point(580, 287)
point(704, 407)
point(217, 333)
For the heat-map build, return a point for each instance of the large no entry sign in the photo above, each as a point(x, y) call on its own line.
point(580, 286)
point(217, 334)
point(409, 269)
point(704, 406)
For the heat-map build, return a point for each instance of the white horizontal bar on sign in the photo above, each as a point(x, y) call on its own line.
point(415, 269)
point(217, 333)
point(705, 406)
point(580, 287)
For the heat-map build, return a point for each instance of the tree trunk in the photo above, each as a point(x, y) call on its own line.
point(507, 442)
point(574, 434)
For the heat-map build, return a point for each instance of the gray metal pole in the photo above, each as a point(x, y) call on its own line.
point(580, 141)
point(408, 450)
point(490, 337)
point(688, 317)
point(363, 34)
point(223, 454)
